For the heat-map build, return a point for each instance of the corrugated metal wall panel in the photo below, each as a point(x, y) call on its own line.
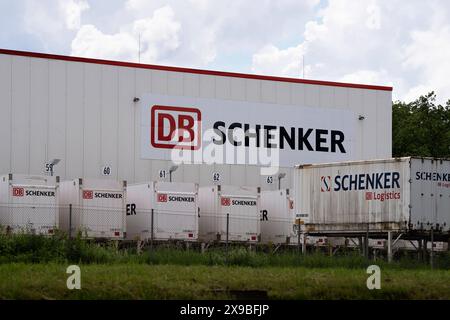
point(312, 96)
point(126, 110)
point(326, 97)
point(39, 108)
point(238, 89)
point(92, 120)
point(340, 98)
point(5, 111)
point(207, 86)
point(20, 142)
point(355, 104)
point(75, 120)
point(268, 92)
point(191, 85)
point(253, 90)
point(223, 88)
point(384, 124)
point(57, 115)
point(297, 94)
point(142, 168)
point(283, 93)
point(109, 118)
point(175, 83)
point(159, 81)
point(369, 133)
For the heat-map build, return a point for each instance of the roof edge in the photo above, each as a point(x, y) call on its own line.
point(191, 70)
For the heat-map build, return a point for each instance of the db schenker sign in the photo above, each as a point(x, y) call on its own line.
point(198, 130)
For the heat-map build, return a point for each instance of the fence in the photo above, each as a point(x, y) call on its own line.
point(156, 224)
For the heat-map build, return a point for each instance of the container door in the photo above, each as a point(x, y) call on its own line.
point(430, 193)
point(176, 215)
point(244, 218)
point(102, 213)
point(33, 208)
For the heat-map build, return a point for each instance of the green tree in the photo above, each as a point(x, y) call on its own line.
point(421, 128)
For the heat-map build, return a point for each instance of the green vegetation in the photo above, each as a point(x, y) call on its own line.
point(26, 248)
point(34, 267)
point(421, 128)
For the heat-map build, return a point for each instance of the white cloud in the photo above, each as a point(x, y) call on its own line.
point(91, 42)
point(367, 76)
point(194, 33)
point(403, 43)
point(428, 54)
point(72, 10)
point(159, 36)
point(271, 60)
point(372, 42)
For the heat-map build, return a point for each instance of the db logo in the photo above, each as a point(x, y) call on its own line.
point(175, 127)
point(88, 194)
point(18, 192)
point(369, 196)
point(162, 197)
point(225, 202)
point(325, 183)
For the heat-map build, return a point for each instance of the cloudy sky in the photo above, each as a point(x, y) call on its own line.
point(403, 43)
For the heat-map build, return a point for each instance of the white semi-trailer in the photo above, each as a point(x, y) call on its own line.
point(399, 194)
point(94, 207)
point(277, 217)
point(29, 203)
point(229, 208)
point(171, 209)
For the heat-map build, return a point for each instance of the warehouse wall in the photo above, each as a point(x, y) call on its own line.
point(84, 114)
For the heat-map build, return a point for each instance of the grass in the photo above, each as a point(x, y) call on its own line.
point(58, 249)
point(34, 267)
point(140, 281)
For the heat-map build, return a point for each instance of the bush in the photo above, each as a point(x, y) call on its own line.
point(28, 248)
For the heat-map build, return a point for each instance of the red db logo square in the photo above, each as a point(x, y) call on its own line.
point(175, 127)
point(162, 197)
point(18, 192)
point(225, 202)
point(369, 196)
point(88, 194)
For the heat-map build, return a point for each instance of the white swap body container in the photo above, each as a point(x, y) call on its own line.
point(175, 211)
point(277, 217)
point(241, 203)
point(98, 207)
point(398, 194)
point(29, 203)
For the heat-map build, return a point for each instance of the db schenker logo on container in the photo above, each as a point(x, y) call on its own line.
point(88, 194)
point(175, 127)
point(18, 192)
point(162, 197)
point(325, 183)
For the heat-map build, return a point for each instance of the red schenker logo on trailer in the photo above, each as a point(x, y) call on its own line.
point(175, 127)
point(162, 197)
point(325, 185)
point(88, 194)
point(226, 202)
point(18, 192)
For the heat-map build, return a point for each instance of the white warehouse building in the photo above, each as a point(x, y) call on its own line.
point(120, 119)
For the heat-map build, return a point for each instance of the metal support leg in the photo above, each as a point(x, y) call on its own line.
point(432, 249)
point(304, 244)
point(389, 247)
